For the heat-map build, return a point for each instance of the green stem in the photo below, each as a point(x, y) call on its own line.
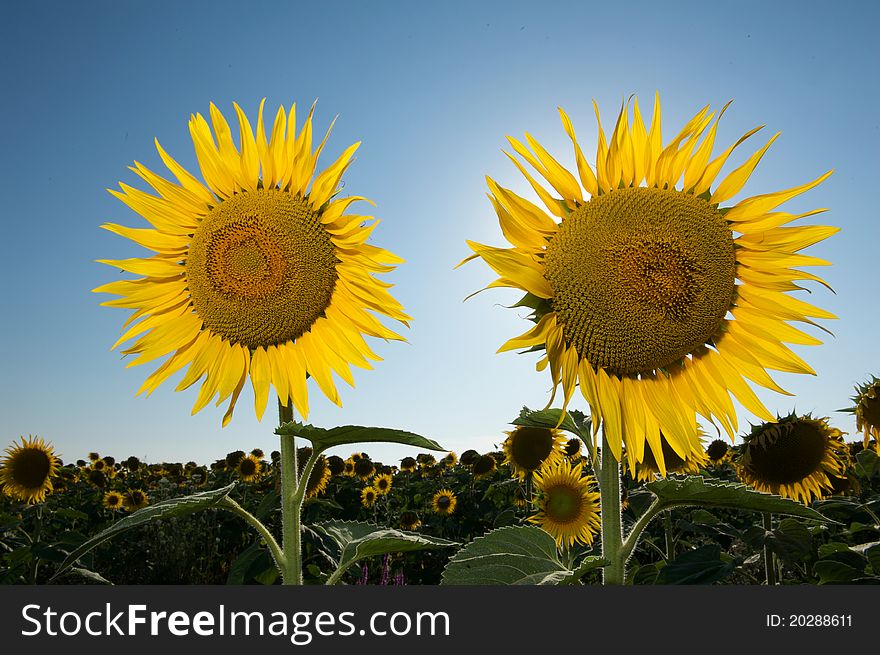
point(670, 542)
point(769, 564)
point(612, 534)
point(291, 536)
point(228, 504)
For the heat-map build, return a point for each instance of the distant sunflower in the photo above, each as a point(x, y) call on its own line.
point(259, 272)
point(867, 410)
point(443, 503)
point(132, 463)
point(97, 478)
point(26, 471)
point(426, 459)
point(649, 467)
point(99, 465)
point(258, 453)
point(484, 466)
point(410, 520)
point(382, 483)
point(335, 464)
point(368, 497)
point(519, 497)
point(793, 457)
point(249, 468)
point(356, 456)
point(568, 508)
point(233, 458)
point(348, 467)
point(450, 460)
point(408, 464)
point(113, 500)
point(633, 287)
point(94, 456)
point(320, 476)
point(364, 468)
point(526, 449)
point(718, 452)
point(572, 448)
point(468, 457)
point(135, 499)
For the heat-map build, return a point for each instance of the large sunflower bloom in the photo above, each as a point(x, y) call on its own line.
point(568, 508)
point(647, 293)
point(259, 271)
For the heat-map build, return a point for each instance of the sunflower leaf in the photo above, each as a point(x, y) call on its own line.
point(164, 509)
point(357, 540)
point(697, 491)
point(520, 555)
point(574, 422)
point(322, 438)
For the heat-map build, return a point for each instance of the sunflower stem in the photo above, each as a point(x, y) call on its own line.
point(769, 564)
point(291, 504)
point(614, 572)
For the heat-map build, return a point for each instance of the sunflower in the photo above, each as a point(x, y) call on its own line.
point(112, 500)
point(527, 448)
point(450, 460)
point(632, 288)
point(249, 468)
point(258, 453)
point(233, 458)
point(335, 464)
point(568, 508)
point(443, 503)
point(382, 483)
point(793, 457)
point(26, 471)
point(410, 520)
point(718, 452)
point(468, 457)
point(867, 410)
point(426, 460)
point(135, 499)
point(408, 464)
point(320, 475)
point(368, 497)
point(484, 466)
point(132, 463)
point(519, 497)
point(259, 272)
point(572, 448)
point(97, 478)
point(348, 467)
point(649, 467)
point(364, 469)
point(94, 456)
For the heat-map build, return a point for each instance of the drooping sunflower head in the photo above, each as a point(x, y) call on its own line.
point(443, 502)
point(793, 457)
point(97, 478)
point(233, 458)
point(368, 497)
point(135, 499)
point(672, 462)
point(132, 463)
point(335, 464)
point(409, 520)
point(469, 456)
point(484, 466)
point(648, 294)
point(408, 464)
point(93, 456)
point(113, 500)
point(249, 468)
point(568, 508)
point(718, 452)
point(382, 483)
point(259, 272)
point(526, 449)
point(867, 410)
point(27, 469)
point(364, 468)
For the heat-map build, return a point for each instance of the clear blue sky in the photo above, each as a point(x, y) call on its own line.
point(431, 90)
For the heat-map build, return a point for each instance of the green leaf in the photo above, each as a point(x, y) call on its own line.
point(696, 490)
point(873, 555)
point(587, 564)
point(831, 571)
point(867, 463)
point(323, 439)
point(166, 508)
point(97, 578)
point(357, 540)
point(791, 540)
point(520, 555)
point(700, 566)
point(549, 418)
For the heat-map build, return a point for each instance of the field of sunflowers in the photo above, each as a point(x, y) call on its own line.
point(462, 503)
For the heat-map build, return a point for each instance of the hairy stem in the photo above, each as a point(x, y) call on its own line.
point(291, 535)
point(612, 536)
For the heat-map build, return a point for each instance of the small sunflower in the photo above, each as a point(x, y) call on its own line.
point(99, 465)
point(348, 467)
point(26, 471)
point(132, 463)
point(572, 448)
point(382, 483)
point(867, 410)
point(450, 460)
point(649, 467)
point(135, 499)
point(320, 476)
point(368, 497)
point(718, 452)
point(443, 503)
point(97, 478)
point(410, 520)
point(653, 298)
point(113, 500)
point(364, 469)
point(258, 453)
point(793, 457)
point(233, 458)
point(408, 464)
point(249, 468)
point(426, 460)
point(568, 508)
point(259, 273)
point(484, 466)
point(335, 464)
point(468, 457)
point(526, 449)
point(94, 456)
point(519, 497)
point(356, 456)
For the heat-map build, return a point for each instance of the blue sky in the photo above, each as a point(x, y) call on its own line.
point(432, 91)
